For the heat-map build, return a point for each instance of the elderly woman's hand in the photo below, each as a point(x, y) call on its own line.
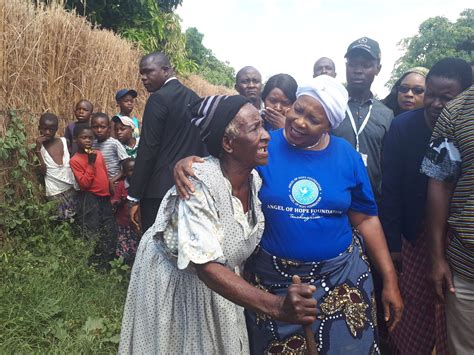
point(182, 170)
point(299, 306)
point(392, 305)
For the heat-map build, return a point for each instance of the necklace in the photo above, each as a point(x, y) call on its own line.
point(317, 143)
point(310, 146)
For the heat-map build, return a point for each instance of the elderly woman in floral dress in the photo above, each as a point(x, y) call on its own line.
point(185, 295)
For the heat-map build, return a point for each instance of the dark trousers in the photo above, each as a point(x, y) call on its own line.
point(96, 220)
point(148, 209)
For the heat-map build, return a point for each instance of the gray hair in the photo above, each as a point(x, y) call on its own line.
point(232, 131)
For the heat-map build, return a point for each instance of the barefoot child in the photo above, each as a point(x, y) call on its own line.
point(125, 101)
point(53, 155)
point(128, 238)
point(94, 209)
point(124, 128)
point(111, 149)
point(82, 113)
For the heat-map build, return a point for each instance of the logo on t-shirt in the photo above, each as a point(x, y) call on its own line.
point(305, 191)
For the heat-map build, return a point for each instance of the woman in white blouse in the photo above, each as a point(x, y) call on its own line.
point(186, 294)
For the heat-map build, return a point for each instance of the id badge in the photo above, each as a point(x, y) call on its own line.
point(364, 158)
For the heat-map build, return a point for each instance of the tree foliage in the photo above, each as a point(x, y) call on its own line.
point(119, 14)
point(207, 65)
point(437, 38)
point(153, 25)
point(149, 23)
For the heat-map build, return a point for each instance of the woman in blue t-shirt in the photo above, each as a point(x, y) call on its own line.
point(319, 213)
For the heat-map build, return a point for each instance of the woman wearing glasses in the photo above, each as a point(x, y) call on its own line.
point(408, 92)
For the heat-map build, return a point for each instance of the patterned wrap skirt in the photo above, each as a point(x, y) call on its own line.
point(423, 324)
point(346, 321)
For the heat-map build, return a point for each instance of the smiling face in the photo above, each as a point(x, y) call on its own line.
point(361, 69)
point(249, 84)
point(278, 101)
point(439, 91)
point(249, 147)
point(83, 111)
point(411, 92)
point(306, 122)
point(101, 128)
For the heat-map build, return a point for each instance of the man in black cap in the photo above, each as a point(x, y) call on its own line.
point(366, 123)
point(167, 136)
point(367, 119)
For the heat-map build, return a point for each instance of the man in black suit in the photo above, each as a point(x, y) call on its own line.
point(167, 136)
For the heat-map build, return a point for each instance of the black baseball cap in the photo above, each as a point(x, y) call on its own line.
point(367, 44)
point(121, 93)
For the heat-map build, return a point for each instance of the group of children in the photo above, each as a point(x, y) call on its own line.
point(88, 173)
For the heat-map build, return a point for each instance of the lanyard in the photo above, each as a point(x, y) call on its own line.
point(362, 126)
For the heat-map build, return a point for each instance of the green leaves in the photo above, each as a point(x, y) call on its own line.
point(211, 68)
point(151, 24)
point(94, 326)
point(103, 329)
point(437, 38)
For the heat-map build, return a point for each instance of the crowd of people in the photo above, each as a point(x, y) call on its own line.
point(290, 218)
point(88, 172)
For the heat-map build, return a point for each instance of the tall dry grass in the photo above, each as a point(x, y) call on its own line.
point(52, 58)
point(203, 88)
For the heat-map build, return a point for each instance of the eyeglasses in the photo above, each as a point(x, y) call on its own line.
point(416, 90)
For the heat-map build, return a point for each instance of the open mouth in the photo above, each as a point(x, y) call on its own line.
point(296, 133)
point(262, 150)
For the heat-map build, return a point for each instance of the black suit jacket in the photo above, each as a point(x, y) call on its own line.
point(167, 136)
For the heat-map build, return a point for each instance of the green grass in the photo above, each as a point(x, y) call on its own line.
point(52, 301)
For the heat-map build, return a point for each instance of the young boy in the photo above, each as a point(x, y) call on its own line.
point(128, 238)
point(82, 113)
point(111, 149)
point(124, 128)
point(125, 101)
point(53, 155)
point(94, 209)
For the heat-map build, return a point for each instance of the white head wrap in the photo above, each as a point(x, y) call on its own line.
point(331, 94)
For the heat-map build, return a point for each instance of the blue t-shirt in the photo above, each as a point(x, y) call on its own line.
point(306, 196)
